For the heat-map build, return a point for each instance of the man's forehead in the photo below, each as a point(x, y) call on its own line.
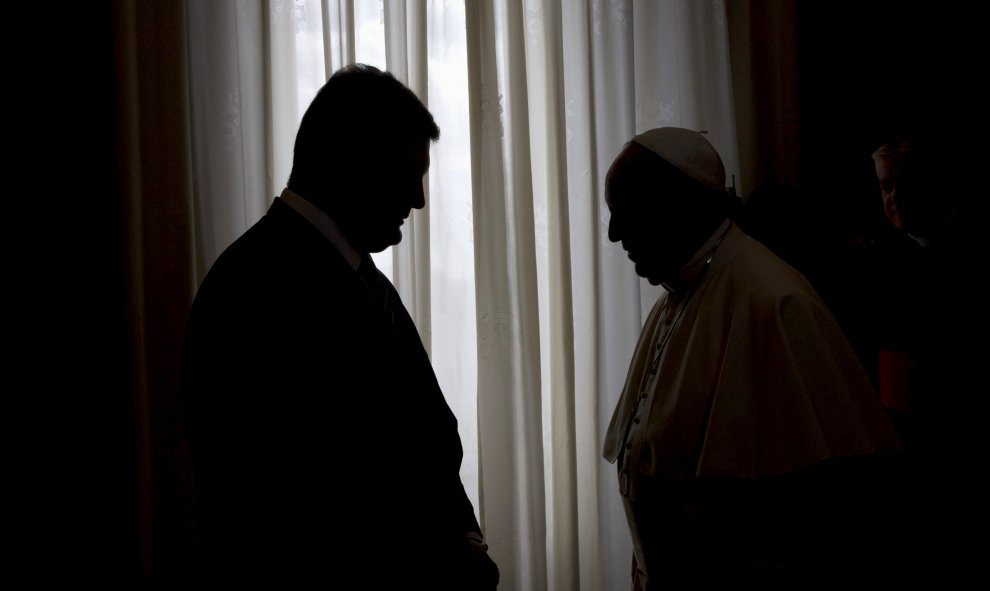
point(885, 165)
point(407, 152)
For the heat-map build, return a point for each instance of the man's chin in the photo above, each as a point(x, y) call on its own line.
point(384, 241)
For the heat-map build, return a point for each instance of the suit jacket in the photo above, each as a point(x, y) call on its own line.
point(322, 446)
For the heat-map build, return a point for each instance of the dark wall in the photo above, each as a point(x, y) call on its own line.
point(871, 70)
point(67, 358)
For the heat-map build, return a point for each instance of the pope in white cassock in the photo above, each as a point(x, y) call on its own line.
point(749, 441)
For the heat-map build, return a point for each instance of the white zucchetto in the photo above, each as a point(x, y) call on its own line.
point(689, 152)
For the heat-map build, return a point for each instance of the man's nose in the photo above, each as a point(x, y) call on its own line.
point(419, 196)
point(613, 230)
point(889, 196)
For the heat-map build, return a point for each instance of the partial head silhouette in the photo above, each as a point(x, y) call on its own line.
point(361, 152)
point(666, 194)
point(915, 184)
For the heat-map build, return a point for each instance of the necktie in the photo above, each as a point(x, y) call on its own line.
point(381, 291)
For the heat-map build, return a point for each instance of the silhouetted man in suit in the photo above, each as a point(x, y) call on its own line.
point(323, 449)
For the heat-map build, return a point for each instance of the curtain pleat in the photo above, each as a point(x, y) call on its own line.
point(406, 58)
point(228, 104)
point(338, 35)
point(509, 386)
point(155, 192)
point(584, 217)
point(545, 85)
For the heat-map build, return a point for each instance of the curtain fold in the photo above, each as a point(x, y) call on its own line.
point(583, 198)
point(229, 112)
point(544, 74)
point(338, 27)
point(406, 58)
point(155, 194)
point(513, 506)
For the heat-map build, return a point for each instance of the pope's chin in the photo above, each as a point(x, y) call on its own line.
point(642, 271)
point(651, 275)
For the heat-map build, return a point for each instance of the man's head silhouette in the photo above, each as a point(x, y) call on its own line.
point(361, 152)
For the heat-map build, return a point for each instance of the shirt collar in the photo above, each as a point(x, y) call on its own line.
point(324, 223)
point(691, 274)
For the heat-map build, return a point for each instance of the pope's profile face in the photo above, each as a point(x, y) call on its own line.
point(652, 214)
point(383, 191)
point(645, 216)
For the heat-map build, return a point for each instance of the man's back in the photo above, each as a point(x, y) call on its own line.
point(317, 429)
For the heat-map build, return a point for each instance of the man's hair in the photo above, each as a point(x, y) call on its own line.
point(357, 112)
point(923, 155)
point(894, 148)
point(934, 163)
point(934, 149)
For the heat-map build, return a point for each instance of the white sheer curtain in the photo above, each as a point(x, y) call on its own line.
point(529, 312)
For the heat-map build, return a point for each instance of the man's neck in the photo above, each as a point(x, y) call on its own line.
point(325, 224)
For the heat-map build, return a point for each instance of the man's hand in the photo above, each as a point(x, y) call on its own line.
point(482, 572)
